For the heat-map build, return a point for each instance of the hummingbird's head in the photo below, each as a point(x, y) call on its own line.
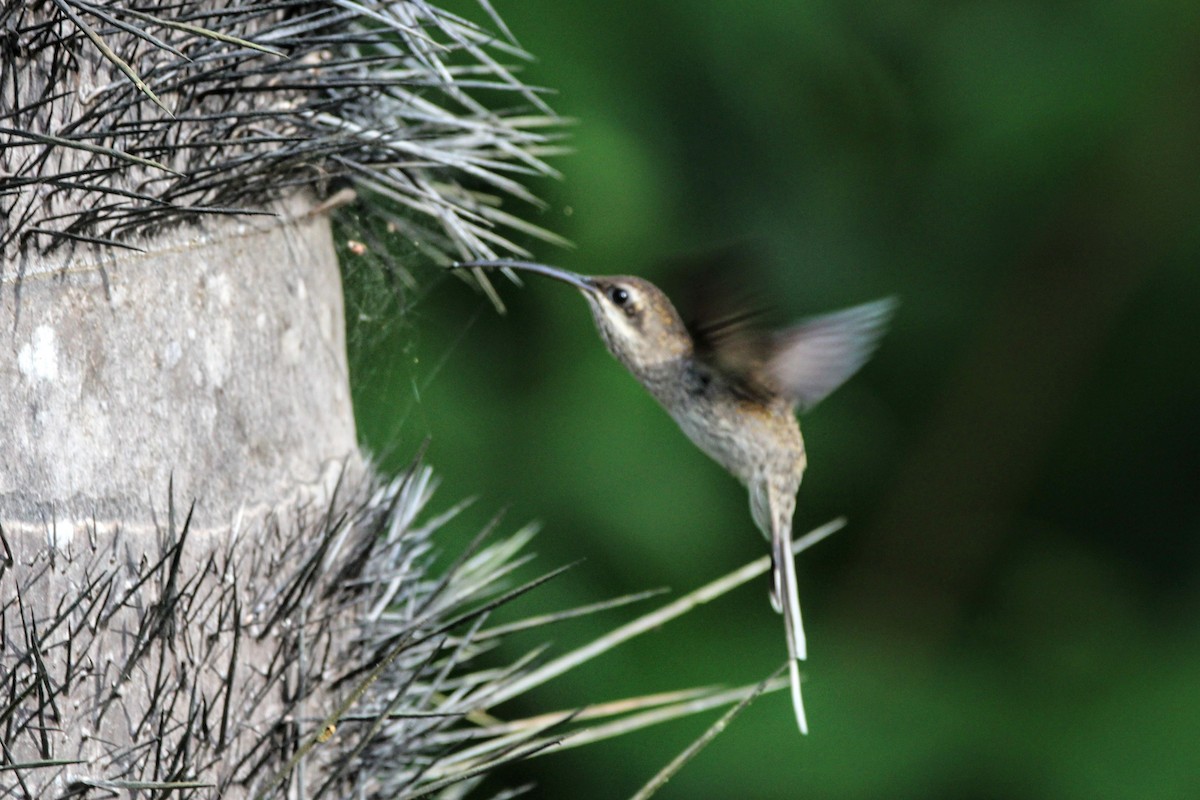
point(637, 322)
point(635, 319)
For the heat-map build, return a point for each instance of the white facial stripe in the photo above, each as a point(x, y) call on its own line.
point(619, 317)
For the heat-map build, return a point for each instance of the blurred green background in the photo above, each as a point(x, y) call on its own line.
point(1014, 609)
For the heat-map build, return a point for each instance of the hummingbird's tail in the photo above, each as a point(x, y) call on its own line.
point(786, 598)
point(797, 700)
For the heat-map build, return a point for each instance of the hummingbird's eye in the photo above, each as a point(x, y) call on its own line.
point(618, 295)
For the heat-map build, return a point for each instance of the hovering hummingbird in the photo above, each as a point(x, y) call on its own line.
point(735, 391)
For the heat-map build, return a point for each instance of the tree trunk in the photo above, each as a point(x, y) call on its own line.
point(168, 416)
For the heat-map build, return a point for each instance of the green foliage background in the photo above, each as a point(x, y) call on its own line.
point(1012, 612)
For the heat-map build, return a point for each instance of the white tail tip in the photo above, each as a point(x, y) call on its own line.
point(797, 700)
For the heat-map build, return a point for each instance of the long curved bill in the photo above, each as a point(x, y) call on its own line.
point(581, 282)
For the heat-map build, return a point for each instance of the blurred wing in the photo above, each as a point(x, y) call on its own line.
point(811, 359)
point(731, 340)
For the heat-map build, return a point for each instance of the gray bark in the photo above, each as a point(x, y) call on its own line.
point(215, 358)
point(209, 369)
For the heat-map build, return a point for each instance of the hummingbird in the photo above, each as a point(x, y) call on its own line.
point(735, 391)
